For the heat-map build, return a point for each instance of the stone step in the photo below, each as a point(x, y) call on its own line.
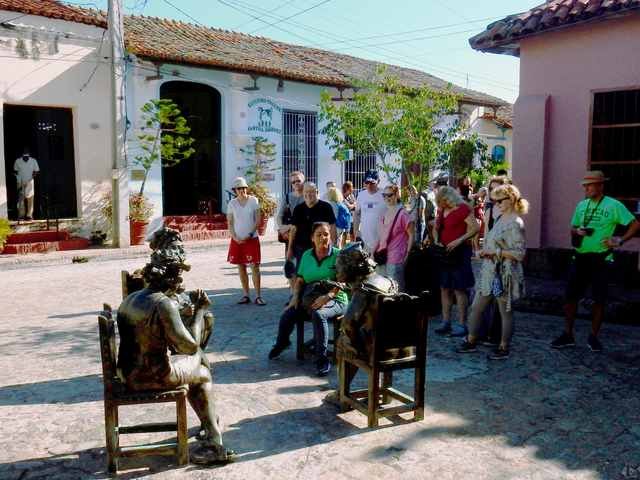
point(186, 227)
point(40, 236)
point(194, 235)
point(73, 243)
point(181, 219)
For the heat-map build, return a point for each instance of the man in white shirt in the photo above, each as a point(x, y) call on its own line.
point(369, 206)
point(25, 168)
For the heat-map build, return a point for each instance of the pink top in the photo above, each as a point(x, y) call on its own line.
point(399, 239)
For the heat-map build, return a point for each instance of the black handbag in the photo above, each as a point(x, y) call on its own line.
point(382, 256)
point(312, 291)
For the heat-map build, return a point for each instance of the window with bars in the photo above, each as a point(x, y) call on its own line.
point(355, 169)
point(299, 145)
point(615, 143)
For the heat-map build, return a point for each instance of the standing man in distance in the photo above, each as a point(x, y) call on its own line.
point(370, 206)
point(592, 226)
point(26, 169)
point(312, 210)
point(284, 218)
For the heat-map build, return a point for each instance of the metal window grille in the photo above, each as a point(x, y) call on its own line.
point(615, 143)
point(355, 169)
point(299, 146)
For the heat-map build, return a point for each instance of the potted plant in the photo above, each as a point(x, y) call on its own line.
point(261, 156)
point(164, 136)
point(140, 211)
point(5, 231)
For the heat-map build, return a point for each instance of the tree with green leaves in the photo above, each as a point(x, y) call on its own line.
point(164, 136)
point(402, 125)
point(260, 155)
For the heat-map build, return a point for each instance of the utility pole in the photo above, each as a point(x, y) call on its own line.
point(119, 173)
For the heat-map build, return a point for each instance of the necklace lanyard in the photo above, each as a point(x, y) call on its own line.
point(585, 223)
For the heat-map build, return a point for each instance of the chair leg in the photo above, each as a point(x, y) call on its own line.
point(183, 439)
point(343, 384)
point(374, 391)
point(111, 433)
point(387, 381)
point(418, 394)
point(300, 339)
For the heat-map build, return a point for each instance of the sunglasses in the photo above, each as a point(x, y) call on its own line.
point(239, 188)
point(499, 201)
point(388, 195)
point(295, 182)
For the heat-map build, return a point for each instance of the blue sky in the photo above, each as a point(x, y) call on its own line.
point(435, 39)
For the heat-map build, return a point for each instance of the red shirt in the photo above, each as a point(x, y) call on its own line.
point(453, 225)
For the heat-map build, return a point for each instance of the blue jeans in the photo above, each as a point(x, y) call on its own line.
point(320, 319)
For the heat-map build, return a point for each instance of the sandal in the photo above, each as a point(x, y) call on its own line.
point(244, 300)
point(260, 301)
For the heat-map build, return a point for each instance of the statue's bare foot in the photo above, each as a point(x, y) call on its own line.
point(333, 399)
point(212, 455)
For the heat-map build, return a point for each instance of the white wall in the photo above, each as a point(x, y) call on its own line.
point(56, 80)
point(237, 117)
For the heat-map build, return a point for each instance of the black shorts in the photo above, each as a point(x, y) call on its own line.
point(588, 269)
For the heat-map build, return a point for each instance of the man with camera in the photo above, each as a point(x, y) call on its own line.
point(592, 228)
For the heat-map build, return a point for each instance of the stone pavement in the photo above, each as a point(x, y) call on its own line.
point(541, 415)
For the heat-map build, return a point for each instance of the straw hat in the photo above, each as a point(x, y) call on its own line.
point(593, 176)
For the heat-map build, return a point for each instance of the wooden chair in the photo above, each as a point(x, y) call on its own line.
point(130, 283)
point(300, 347)
point(399, 342)
point(117, 394)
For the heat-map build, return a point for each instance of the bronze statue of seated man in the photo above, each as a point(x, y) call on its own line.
point(163, 333)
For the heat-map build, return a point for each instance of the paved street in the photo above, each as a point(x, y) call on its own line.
point(540, 415)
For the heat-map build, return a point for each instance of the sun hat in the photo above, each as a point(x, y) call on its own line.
point(593, 176)
point(240, 182)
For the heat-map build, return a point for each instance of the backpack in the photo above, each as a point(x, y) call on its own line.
point(343, 219)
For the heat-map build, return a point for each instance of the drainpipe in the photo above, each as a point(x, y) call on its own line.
point(119, 174)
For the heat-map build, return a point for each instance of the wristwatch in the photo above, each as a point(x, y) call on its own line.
point(620, 242)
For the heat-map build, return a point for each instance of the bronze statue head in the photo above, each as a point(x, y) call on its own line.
point(354, 263)
point(168, 260)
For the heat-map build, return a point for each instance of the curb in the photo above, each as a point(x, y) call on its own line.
point(15, 262)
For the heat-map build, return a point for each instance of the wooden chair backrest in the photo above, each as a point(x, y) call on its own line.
point(130, 283)
point(108, 350)
point(399, 324)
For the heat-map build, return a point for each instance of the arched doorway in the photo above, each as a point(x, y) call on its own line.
point(194, 185)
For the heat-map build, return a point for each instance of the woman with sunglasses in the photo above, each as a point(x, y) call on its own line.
point(501, 274)
point(395, 235)
point(243, 217)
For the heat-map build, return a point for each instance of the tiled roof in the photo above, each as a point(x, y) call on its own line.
point(178, 42)
point(171, 41)
point(503, 117)
point(504, 35)
point(51, 9)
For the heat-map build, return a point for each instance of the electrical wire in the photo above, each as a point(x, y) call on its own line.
point(248, 22)
point(394, 57)
point(290, 16)
point(95, 68)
